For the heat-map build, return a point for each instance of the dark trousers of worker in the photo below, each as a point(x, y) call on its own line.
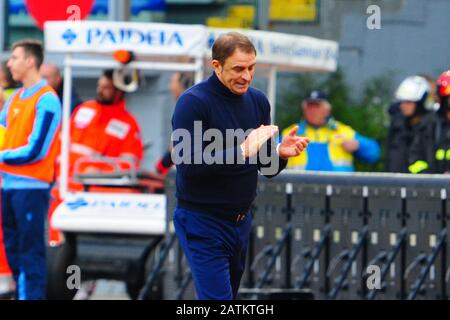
point(23, 218)
point(215, 249)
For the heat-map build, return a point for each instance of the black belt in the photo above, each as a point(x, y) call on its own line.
point(239, 217)
point(236, 217)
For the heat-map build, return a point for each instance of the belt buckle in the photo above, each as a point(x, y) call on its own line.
point(240, 217)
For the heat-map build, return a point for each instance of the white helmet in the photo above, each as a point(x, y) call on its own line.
point(416, 89)
point(413, 88)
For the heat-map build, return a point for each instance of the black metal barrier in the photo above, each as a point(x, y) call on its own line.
point(337, 236)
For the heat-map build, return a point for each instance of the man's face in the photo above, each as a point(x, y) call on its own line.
point(237, 72)
point(316, 112)
point(408, 108)
point(106, 92)
point(19, 63)
point(51, 74)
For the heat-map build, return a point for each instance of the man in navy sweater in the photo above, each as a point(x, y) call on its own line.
point(222, 137)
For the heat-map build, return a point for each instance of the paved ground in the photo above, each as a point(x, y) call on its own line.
point(109, 290)
point(104, 290)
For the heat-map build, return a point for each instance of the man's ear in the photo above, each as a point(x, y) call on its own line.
point(216, 66)
point(30, 61)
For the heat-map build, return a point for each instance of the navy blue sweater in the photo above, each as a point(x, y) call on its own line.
point(220, 189)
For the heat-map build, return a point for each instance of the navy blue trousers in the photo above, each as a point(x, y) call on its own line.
point(215, 249)
point(23, 217)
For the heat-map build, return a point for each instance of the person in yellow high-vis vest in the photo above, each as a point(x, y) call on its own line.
point(31, 118)
point(333, 145)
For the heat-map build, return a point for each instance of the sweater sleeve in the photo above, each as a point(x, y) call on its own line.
point(369, 149)
point(189, 123)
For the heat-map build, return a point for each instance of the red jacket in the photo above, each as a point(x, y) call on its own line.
point(104, 130)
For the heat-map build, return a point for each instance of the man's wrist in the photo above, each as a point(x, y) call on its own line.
point(278, 153)
point(242, 151)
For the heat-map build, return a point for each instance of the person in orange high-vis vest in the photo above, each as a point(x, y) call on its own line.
point(32, 118)
point(104, 128)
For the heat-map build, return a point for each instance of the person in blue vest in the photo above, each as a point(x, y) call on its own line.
point(333, 145)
